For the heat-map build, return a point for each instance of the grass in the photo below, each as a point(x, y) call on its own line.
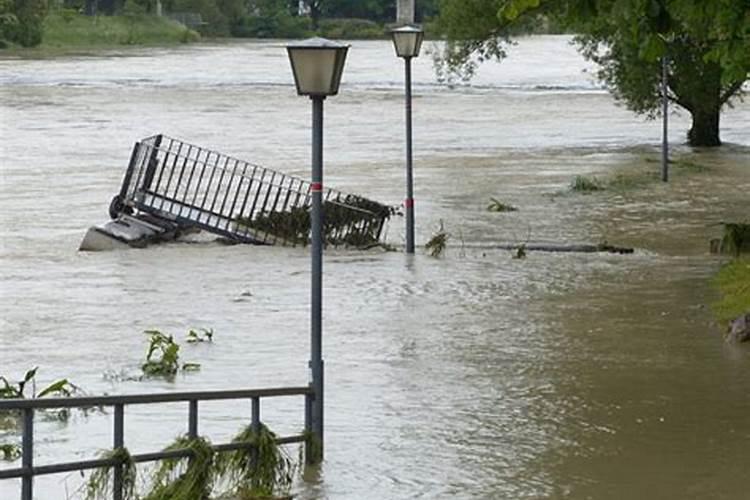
point(733, 282)
point(439, 241)
point(263, 471)
point(99, 486)
point(583, 184)
point(66, 31)
point(498, 206)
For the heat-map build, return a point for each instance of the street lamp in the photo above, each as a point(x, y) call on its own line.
point(317, 65)
point(407, 40)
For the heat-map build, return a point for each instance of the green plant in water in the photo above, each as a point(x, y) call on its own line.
point(498, 206)
point(18, 390)
point(99, 486)
point(437, 244)
point(261, 471)
point(736, 239)
point(200, 335)
point(583, 184)
point(163, 356)
point(10, 452)
point(520, 252)
point(185, 478)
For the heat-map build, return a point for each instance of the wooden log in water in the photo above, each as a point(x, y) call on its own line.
point(577, 248)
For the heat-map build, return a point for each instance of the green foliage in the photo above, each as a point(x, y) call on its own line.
point(351, 222)
point(707, 44)
point(90, 32)
point(99, 486)
point(200, 335)
point(261, 471)
point(736, 239)
point(439, 241)
point(359, 29)
point(498, 206)
point(60, 388)
point(163, 356)
point(21, 21)
point(185, 478)
point(520, 252)
point(583, 184)
point(10, 452)
point(217, 22)
point(733, 282)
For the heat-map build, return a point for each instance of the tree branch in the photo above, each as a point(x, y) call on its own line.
point(736, 86)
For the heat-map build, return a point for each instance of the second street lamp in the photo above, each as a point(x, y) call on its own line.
point(317, 65)
point(407, 40)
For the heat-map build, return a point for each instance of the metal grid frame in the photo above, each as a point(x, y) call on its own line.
point(192, 185)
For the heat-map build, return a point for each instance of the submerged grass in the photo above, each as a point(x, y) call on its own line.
point(185, 478)
point(733, 282)
point(100, 483)
point(584, 184)
point(263, 471)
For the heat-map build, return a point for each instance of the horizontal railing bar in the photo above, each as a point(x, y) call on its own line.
point(133, 399)
point(140, 458)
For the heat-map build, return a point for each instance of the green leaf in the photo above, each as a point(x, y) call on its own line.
point(59, 387)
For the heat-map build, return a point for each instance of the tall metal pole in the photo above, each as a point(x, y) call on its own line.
point(316, 347)
point(409, 202)
point(665, 120)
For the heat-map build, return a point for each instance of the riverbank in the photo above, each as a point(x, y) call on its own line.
point(66, 32)
point(733, 282)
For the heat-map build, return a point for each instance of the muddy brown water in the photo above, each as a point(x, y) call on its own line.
point(471, 376)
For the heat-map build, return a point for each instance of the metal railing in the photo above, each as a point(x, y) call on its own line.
point(27, 407)
point(191, 185)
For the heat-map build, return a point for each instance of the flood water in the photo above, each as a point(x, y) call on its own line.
point(476, 375)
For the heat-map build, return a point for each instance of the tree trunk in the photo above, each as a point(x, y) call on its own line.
point(705, 129)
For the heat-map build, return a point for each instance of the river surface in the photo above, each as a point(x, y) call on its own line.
point(475, 375)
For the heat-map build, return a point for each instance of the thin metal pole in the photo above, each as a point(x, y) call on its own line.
point(193, 419)
point(665, 120)
point(409, 202)
point(119, 442)
point(27, 461)
point(316, 347)
point(255, 422)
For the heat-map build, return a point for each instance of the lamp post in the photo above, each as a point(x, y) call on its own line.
point(665, 118)
point(317, 65)
point(407, 40)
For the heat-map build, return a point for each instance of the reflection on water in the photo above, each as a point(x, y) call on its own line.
point(472, 376)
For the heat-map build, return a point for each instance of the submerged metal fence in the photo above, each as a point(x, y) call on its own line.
point(27, 408)
point(195, 186)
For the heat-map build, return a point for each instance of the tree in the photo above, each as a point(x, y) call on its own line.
point(707, 44)
point(22, 21)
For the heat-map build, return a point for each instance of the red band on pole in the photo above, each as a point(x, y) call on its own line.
point(317, 187)
point(409, 203)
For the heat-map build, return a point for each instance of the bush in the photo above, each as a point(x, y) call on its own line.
point(350, 28)
point(26, 28)
point(278, 25)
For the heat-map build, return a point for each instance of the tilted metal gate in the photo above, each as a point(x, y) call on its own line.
point(194, 186)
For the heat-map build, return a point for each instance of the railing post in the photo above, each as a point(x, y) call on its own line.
point(256, 415)
point(27, 448)
point(119, 443)
point(193, 419)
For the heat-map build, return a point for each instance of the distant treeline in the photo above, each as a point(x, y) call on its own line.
point(266, 18)
point(22, 21)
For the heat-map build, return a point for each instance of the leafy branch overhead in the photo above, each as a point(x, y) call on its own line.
point(706, 43)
